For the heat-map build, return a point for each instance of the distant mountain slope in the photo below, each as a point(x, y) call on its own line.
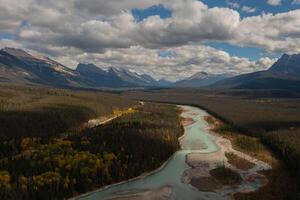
point(201, 79)
point(132, 78)
point(288, 64)
point(18, 66)
point(165, 83)
point(93, 76)
point(284, 75)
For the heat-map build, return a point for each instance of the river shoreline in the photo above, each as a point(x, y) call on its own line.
point(122, 182)
point(143, 175)
point(201, 153)
point(201, 164)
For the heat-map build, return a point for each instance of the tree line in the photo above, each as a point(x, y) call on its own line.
point(60, 167)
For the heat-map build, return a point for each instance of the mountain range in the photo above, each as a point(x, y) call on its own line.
point(283, 74)
point(201, 79)
point(18, 66)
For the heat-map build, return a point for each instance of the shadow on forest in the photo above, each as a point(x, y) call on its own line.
point(45, 122)
point(267, 126)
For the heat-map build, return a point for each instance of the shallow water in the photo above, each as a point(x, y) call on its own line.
point(171, 174)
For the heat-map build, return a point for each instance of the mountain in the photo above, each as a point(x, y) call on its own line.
point(201, 79)
point(287, 64)
point(18, 66)
point(165, 83)
point(92, 76)
point(132, 78)
point(283, 75)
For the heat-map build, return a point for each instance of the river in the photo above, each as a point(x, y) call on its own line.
point(171, 181)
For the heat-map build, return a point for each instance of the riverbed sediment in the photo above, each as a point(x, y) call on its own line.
point(186, 174)
point(201, 164)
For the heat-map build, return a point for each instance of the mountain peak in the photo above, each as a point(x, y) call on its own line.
point(198, 75)
point(89, 69)
point(285, 55)
point(202, 79)
point(165, 83)
point(19, 65)
point(88, 65)
point(133, 77)
point(121, 71)
point(20, 53)
point(287, 64)
point(114, 70)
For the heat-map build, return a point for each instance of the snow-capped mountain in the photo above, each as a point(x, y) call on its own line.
point(133, 77)
point(201, 79)
point(18, 66)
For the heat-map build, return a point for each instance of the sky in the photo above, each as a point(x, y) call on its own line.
point(170, 39)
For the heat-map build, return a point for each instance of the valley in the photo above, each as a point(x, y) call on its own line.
point(149, 100)
point(84, 132)
point(200, 153)
point(100, 133)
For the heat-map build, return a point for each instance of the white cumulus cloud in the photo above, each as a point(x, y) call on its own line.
point(106, 33)
point(274, 2)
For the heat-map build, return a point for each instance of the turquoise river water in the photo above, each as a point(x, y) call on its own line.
point(171, 173)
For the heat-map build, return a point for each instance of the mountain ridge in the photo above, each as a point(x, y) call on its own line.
point(19, 66)
point(201, 79)
point(284, 74)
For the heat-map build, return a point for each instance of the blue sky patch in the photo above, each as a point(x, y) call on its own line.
point(252, 53)
point(24, 24)
point(260, 5)
point(165, 54)
point(249, 52)
point(8, 36)
point(159, 10)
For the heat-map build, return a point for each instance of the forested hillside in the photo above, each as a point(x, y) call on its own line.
point(47, 112)
point(59, 159)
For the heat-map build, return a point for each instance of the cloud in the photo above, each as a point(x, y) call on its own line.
point(61, 24)
point(106, 33)
point(296, 1)
point(272, 32)
point(248, 9)
point(231, 4)
point(274, 2)
point(11, 15)
point(185, 61)
point(191, 21)
point(110, 8)
point(186, 27)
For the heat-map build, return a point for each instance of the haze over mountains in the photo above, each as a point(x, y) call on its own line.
point(18, 66)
